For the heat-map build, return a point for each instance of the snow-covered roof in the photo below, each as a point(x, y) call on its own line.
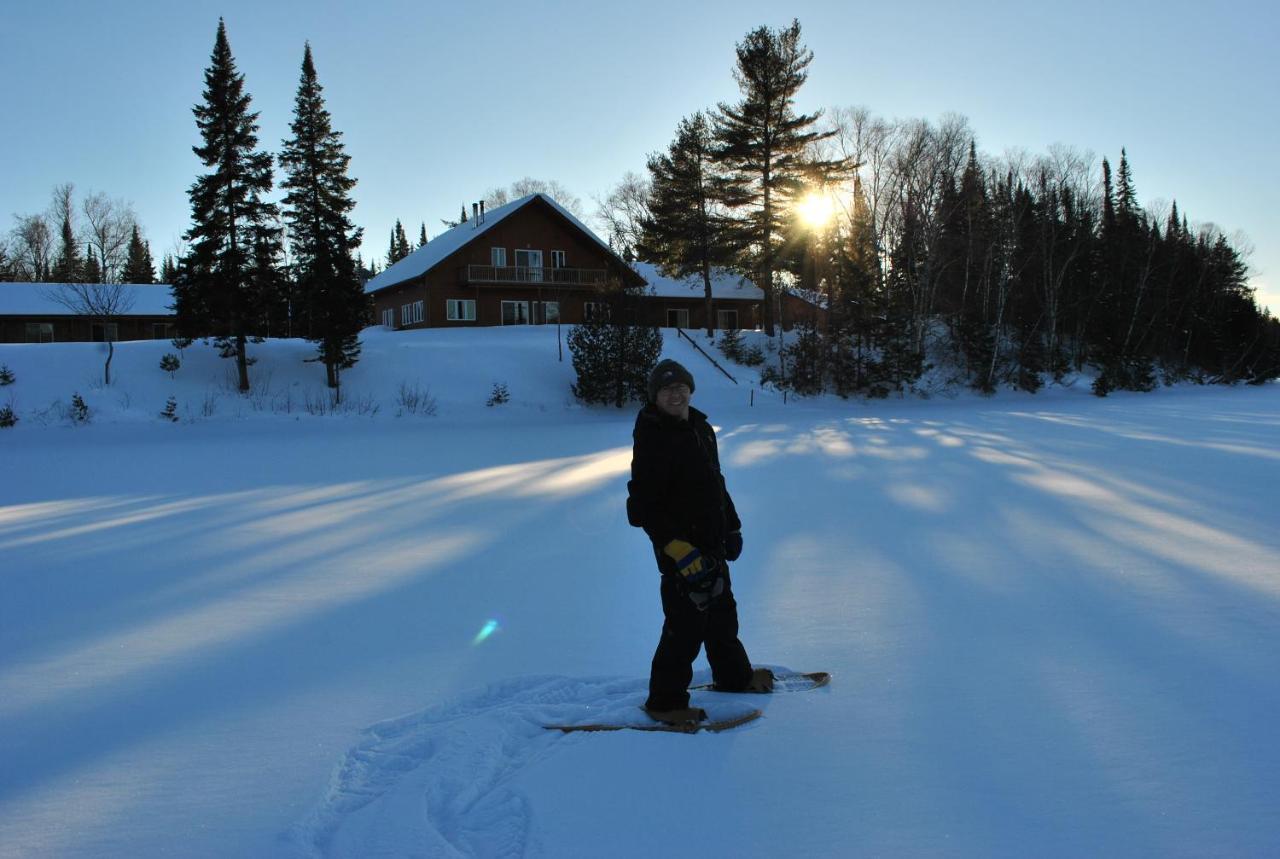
point(724, 284)
point(36, 299)
point(442, 246)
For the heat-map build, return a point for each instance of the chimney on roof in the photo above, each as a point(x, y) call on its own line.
point(482, 211)
point(475, 214)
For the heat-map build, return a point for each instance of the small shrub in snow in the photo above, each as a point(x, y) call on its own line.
point(413, 400)
point(170, 412)
point(170, 364)
point(499, 395)
point(731, 345)
point(752, 356)
point(7, 417)
point(6, 376)
point(78, 413)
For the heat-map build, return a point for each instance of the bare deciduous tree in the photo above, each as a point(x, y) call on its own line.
point(102, 303)
point(109, 225)
point(622, 212)
point(31, 248)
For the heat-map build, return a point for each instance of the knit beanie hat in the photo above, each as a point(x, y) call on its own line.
point(666, 373)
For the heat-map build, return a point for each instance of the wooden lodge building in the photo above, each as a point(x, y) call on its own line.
point(531, 262)
point(29, 313)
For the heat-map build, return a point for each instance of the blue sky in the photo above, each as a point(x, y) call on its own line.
point(439, 102)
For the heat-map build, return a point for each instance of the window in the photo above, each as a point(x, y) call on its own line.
point(497, 257)
point(515, 313)
point(546, 312)
point(529, 264)
point(595, 310)
point(39, 332)
point(411, 313)
point(103, 332)
point(160, 330)
point(727, 320)
point(461, 309)
point(557, 259)
point(389, 318)
point(677, 318)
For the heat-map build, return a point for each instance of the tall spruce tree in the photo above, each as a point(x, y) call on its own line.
point(68, 267)
point(215, 286)
point(763, 146)
point(399, 247)
point(138, 266)
point(685, 231)
point(323, 239)
point(422, 235)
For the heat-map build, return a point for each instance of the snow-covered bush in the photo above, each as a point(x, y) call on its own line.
point(6, 376)
point(7, 417)
point(170, 412)
point(499, 395)
point(78, 412)
point(170, 364)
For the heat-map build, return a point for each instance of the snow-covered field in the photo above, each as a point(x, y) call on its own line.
point(1053, 620)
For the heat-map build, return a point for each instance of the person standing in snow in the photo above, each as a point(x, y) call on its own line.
point(678, 496)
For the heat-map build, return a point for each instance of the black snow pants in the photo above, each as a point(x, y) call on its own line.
point(685, 630)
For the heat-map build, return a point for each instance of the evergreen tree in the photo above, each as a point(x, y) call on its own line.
point(168, 270)
point(422, 235)
point(614, 352)
point(215, 288)
point(90, 270)
point(138, 267)
point(763, 145)
point(399, 247)
point(685, 232)
point(67, 267)
point(323, 238)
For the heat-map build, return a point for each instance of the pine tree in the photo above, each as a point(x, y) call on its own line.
point(399, 247)
point(214, 288)
point(422, 235)
point(90, 270)
point(763, 144)
point(323, 238)
point(685, 232)
point(613, 353)
point(168, 270)
point(138, 267)
point(67, 268)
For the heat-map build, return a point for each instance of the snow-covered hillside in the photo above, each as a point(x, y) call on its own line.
point(1053, 620)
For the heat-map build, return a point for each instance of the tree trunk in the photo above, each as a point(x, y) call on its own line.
point(106, 371)
point(242, 363)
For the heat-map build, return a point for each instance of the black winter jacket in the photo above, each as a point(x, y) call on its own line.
point(676, 491)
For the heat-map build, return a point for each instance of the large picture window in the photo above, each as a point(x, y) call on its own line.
point(461, 309)
point(515, 313)
point(105, 332)
point(546, 312)
point(530, 264)
point(39, 332)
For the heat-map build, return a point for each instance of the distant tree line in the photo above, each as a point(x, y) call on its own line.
point(922, 250)
point(97, 241)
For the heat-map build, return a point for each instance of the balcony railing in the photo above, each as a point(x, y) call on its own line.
point(532, 275)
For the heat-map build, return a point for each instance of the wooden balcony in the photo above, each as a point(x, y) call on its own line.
point(523, 275)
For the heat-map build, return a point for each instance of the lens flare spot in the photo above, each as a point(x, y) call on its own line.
point(490, 627)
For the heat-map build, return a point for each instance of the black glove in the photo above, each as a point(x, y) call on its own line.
point(733, 546)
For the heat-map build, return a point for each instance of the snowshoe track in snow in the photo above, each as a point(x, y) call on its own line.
point(434, 783)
